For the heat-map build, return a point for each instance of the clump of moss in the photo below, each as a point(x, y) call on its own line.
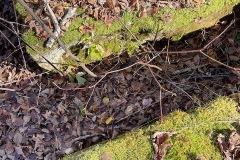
point(21, 10)
point(196, 135)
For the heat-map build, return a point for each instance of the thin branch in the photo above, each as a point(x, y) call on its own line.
point(7, 89)
point(160, 94)
point(7, 39)
point(57, 29)
point(17, 31)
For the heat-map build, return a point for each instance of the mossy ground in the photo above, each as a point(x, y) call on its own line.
point(116, 38)
point(196, 135)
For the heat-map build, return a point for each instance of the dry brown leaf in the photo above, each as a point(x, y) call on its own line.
point(160, 144)
point(129, 109)
point(82, 29)
point(9, 148)
point(234, 58)
point(234, 140)
point(92, 1)
point(17, 121)
point(17, 139)
point(136, 86)
point(224, 146)
point(24, 106)
point(143, 13)
point(147, 102)
point(111, 3)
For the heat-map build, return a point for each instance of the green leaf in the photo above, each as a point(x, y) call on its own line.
point(95, 52)
point(80, 79)
point(71, 78)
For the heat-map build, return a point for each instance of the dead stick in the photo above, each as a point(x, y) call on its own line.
point(160, 94)
point(30, 11)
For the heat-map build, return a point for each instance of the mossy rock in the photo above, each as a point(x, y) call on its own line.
point(116, 38)
point(196, 134)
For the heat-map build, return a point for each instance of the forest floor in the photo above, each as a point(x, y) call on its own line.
point(43, 116)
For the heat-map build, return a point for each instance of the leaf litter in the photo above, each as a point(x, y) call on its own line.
point(38, 120)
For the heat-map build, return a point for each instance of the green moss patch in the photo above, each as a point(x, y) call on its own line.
point(196, 135)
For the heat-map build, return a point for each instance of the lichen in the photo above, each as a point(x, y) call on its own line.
point(196, 135)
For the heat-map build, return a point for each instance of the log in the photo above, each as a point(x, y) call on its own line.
point(126, 33)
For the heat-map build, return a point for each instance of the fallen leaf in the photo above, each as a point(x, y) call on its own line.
point(224, 146)
point(147, 102)
point(234, 58)
point(17, 121)
point(19, 151)
point(105, 100)
point(129, 109)
point(143, 13)
point(136, 86)
point(18, 138)
point(24, 106)
point(92, 1)
point(161, 143)
point(82, 29)
point(234, 140)
point(80, 79)
point(9, 148)
point(109, 120)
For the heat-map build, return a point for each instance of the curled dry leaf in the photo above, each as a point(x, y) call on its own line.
point(224, 146)
point(161, 142)
point(234, 142)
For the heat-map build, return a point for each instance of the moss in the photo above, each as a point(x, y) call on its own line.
point(118, 38)
point(196, 135)
point(21, 10)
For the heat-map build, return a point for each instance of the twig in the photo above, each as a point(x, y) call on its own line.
point(68, 52)
point(57, 29)
point(7, 89)
point(17, 31)
point(71, 12)
point(7, 39)
point(160, 94)
point(130, 32)
point(150, 65)
point(9, 22)
point(85, 137)
point(187, 69)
